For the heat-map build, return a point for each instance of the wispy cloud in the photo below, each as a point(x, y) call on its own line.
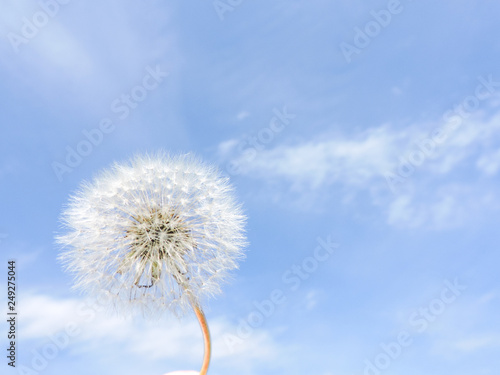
point(323, 161)
point(46, 316)
point(467, 331)
point(360, 163)
point(471, 344)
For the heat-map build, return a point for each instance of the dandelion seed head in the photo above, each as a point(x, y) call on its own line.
point(156, 233)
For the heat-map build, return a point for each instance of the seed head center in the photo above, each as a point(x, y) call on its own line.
point(158, 234)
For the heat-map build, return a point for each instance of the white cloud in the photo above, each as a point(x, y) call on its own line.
point(448, 206)
point(357, 160)
point(401, 211)
point(469, 326)
point(353, 164)
point(44, 316)
point(489, 163)
point(226, 147)
point(471, 344)
point(320, 162)
point(311, 300)
point(242, 115)
point(459, 345)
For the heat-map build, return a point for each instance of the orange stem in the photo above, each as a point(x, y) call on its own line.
point(206, 338)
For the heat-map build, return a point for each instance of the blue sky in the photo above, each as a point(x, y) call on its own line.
point(371, 125)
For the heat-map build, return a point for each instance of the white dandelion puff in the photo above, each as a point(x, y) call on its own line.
point(158, 233)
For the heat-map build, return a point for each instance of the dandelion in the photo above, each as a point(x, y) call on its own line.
point(158, 233)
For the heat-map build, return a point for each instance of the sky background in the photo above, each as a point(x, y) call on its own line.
point(319, 112)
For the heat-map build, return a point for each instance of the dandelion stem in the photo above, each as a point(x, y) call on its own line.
point(206, 337)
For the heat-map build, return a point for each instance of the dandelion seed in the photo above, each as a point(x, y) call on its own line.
point(158, 233)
